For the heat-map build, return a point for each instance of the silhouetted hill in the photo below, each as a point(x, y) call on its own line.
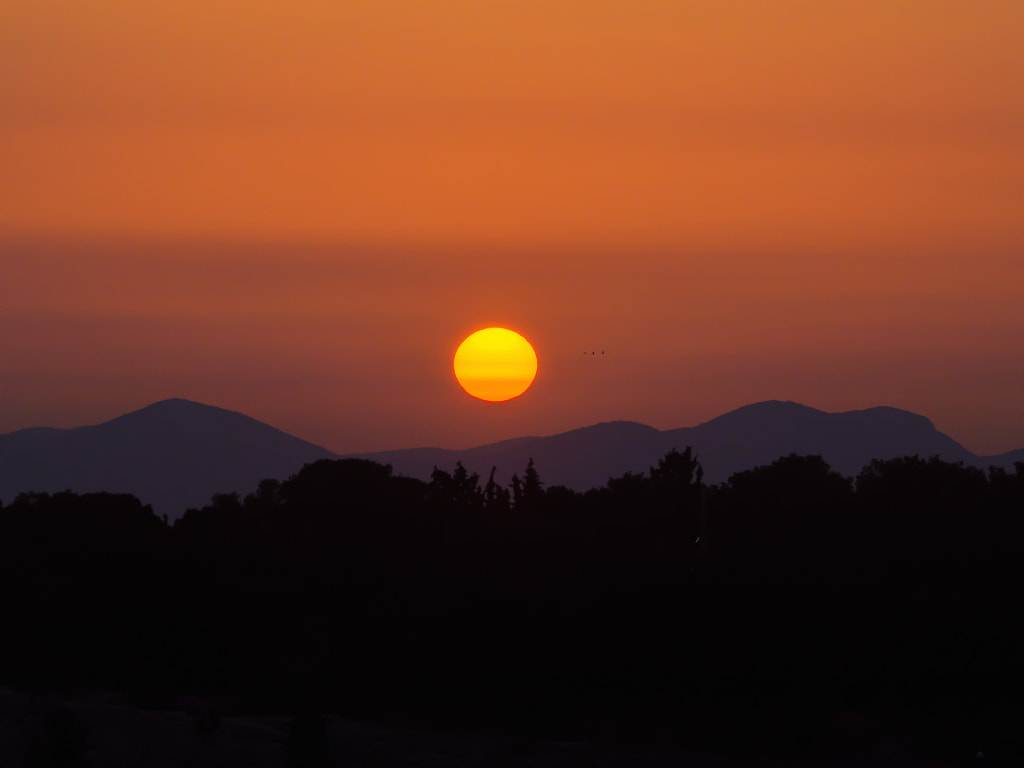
point(173, 455)
point(742, 439)
point(760, 433)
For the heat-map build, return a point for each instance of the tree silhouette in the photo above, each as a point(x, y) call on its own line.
point(517, 491)
point(676, 469)
point(631, 488)
point(532, 495)
point(925, 509)
point(457, 493)
point(787, 519)
point(267, 495)
point(496, 498)
point(675, 482)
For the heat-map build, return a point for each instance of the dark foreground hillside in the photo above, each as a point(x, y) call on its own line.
point(786, 612)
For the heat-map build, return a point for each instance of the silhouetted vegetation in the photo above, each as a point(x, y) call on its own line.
point(742, 616)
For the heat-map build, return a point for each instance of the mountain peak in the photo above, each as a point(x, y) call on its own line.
point(173, 454)
point(176, 402)
point(774, 404)
point(766, 413)
point(895, 416)
point(176, 405)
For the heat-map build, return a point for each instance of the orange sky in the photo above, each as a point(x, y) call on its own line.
point(299, 210)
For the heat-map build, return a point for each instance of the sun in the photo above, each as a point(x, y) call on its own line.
point(495, 364)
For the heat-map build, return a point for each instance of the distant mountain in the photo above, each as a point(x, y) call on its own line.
point(174, 454)
point(741, 439)
point(760, 433)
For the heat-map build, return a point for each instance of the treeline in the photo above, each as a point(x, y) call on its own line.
point(654, 604)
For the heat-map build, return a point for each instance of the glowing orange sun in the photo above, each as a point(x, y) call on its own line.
point(495, 364)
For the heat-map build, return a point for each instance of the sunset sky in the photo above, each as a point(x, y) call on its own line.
point(299, 210)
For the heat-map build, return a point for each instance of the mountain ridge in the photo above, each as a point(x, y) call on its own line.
point(176, 453)
point(725, 444)
point(172, 454)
